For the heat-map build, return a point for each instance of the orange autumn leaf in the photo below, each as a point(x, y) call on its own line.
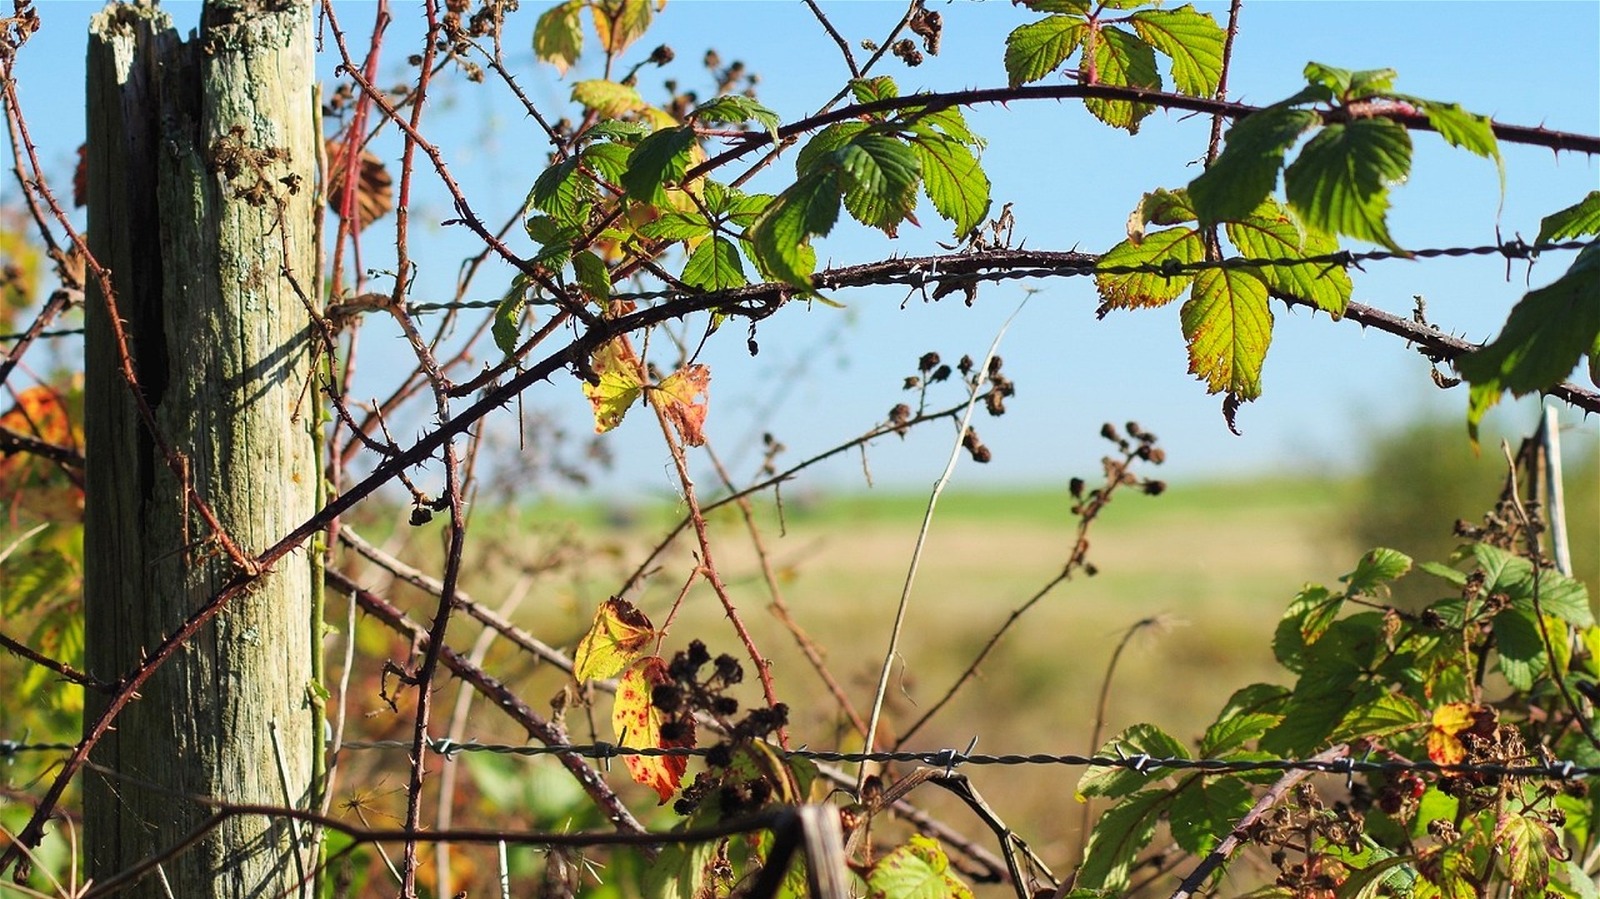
point(639, 724)
point(615, 639)
point(681, 397)
point(37, 483)
point(1444, 732)
point(620, 383)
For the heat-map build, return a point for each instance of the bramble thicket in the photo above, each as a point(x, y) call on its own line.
point(230, 672)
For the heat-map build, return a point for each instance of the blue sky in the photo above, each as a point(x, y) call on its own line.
point(1072, 182)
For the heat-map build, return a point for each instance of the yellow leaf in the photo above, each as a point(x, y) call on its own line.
point(1444, 742)
point(620, 22)
point(639, 724)
point(619, 387)
point(617, 637)
point(681, 397)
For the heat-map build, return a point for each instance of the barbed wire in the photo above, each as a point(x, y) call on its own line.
point(950, 759)
point(1078, 265)
point(10, 749)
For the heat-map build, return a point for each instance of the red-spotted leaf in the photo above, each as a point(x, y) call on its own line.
point(638, 724)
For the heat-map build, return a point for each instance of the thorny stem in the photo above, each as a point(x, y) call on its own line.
point(60, 668)
point(102, 277)
point(463, 208)
point(708, 566)
point(844, 45)
point(452, 473)
point(362, 836)
point(444, 816)
point(1222, 80)
point(349, 219)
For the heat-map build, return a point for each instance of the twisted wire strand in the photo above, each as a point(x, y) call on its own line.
point(1078, 265)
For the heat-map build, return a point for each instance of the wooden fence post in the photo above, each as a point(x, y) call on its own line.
point(201, 178)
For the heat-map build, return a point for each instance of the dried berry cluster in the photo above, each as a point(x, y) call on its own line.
point(692, 690)
point(932, 370)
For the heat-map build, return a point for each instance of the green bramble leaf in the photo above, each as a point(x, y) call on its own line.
point(661, 158)
point(878, 87)
point(1333, 78)
point(1528, 842)
point(1469, 131)
point(592, 275)
point(1174, 246)
point(1080, 7)
point(1193, 41)
point(1544, 337)
point(1389, 713)
point(1520, 647)
point(1036, 49)
point(1123, 60)
point(948, 120)
point(555, 239)
point(508, 314)
point(1116, 782)
point(917, 870)
point(1369, 83)
point(558, 35)
point(1375, 570)
point(1120, 835)
point(674, 224)
point(615, 130)
point(1235, 732)
point(680, 871)
point(608, 160)
point(735, 109)
point(562, 191)
point(1205, 811)
point(1580, 219)
point(1311, 614)
point(607, 98)
point(780, 239)
point(1270, 232)
point(714, 265)
point(1228, 326)
point(1246, 172)
point(824, 143)
point(740, 208)
point(1166, 207)
point(1340, 182)
point(953, 180)
point(880, 176)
